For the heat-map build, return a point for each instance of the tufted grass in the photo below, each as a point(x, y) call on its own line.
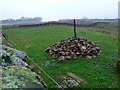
point(94, 71)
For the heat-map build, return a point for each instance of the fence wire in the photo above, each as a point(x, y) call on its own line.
point(58, 85)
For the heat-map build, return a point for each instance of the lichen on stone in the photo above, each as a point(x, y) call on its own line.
point(15, 72)
point(15, 77)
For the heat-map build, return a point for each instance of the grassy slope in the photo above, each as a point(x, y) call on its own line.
point(93, 71)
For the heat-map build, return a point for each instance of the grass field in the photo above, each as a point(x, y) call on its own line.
point(95, 71)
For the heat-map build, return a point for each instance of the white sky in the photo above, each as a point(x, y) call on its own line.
point(59, 9)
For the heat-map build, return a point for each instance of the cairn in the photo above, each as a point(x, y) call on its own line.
point(73, 48)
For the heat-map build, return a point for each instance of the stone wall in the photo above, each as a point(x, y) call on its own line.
point(15, 72)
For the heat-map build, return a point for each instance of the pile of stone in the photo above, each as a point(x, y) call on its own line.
point(71, 80)
point(73, 48)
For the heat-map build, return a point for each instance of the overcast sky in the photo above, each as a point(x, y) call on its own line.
point(59, 9)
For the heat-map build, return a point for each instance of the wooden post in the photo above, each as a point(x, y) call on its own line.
point(75, 29)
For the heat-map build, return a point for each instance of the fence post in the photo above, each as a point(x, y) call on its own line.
point(75, 29)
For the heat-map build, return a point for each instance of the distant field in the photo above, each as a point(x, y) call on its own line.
point(94, 71)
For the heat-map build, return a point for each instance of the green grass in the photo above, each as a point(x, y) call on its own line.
point(93, 71)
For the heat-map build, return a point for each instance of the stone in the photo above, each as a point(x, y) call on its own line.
point(67, 57)
point(5, 54)
point(73, 48)
point(61, 58)
point(15, 72)
point(1, 70)
point(28, 46)
point(32, 67)
point(73, 76)
point(17, 53)
point(71, 83)
point(15, 77)
point(76, 78)
point(17, 61)
point(88, 57)
point(83, 47)
point(71, 80)
point(47, 50)
point(77, 53)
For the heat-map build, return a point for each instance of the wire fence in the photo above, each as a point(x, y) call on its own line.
point(58, 85)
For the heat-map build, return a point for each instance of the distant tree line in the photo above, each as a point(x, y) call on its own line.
point(23, 20)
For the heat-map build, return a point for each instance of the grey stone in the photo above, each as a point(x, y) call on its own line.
point(74, 48)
